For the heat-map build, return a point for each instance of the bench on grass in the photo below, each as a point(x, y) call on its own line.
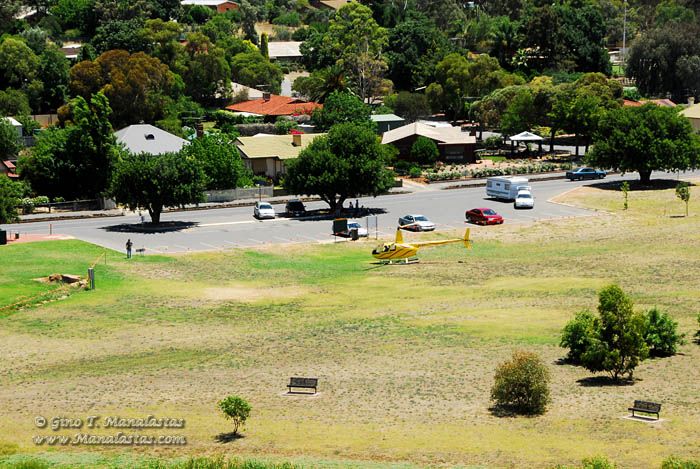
point(646, 407)
point(302, 383)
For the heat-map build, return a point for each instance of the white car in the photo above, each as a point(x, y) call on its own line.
point(416, 223)
point(524, 199)
point(263, 210)
point(361, 232)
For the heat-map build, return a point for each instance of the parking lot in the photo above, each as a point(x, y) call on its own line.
point(217, 229)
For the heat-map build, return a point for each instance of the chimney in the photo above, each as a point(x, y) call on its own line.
point(266, 96)
point(691, 100)
point(296, 140)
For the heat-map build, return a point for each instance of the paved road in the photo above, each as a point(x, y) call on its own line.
point(228, 228)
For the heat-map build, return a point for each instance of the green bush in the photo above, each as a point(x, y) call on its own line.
point(290, 18)
point(661, 335)
point(424, 151)
point(492, 143)
point(236, 409)
point(578, 335)
point(597, 462)
point(673, 462)
point(415, 172)
point(521, 385)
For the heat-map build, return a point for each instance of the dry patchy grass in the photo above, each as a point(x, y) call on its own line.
point(405, 354)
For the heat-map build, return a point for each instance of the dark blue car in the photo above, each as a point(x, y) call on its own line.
point(585, 173)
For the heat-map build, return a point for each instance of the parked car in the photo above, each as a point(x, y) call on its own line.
point(524, 199)
point(483, 216)
point(263, 210)
point(295, 208)
point(506, 187)
point(416, 223)
point(585, 173)
point(343, 227)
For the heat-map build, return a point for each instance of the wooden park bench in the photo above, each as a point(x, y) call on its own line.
point(646, 407)
point(303, 383)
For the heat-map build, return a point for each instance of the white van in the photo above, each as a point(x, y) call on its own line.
point(506, 188)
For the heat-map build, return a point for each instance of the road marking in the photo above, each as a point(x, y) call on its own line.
point(256, 241)
point(210, 245)
point(284, 240)
point(242, 222)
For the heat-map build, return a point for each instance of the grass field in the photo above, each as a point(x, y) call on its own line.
point(405, 354)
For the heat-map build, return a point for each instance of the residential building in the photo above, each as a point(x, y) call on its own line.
point(272, 106)
point(8, 169)
point(145, 138)
point(692, 112)
point(220, 6)
point(285, 50)
point(387, 122)
point(15, 123)
point(454, 145)
point(329, 4)
point(267, 154)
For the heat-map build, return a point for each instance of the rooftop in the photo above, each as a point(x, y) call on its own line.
point(275, 106)
point(273, 146)
point(386, 118)
point(145, 138)
point(442, 135)
point(280, 49)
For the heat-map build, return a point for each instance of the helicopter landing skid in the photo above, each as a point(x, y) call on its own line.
point(412, 260)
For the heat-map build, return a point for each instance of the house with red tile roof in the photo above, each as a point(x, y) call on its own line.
point(272, 106)
point(8, 169)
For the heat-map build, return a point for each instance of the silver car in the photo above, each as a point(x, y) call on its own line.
point(263, 210)
point(416, 223)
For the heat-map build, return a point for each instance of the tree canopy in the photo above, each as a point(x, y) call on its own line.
point(644, 139)
point(348, 162)
point(154, 182)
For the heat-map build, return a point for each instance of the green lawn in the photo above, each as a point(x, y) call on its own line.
point(405, 354)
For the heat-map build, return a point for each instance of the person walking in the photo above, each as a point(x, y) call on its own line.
point(129, 244)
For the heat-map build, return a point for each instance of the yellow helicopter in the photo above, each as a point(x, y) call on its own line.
point(406, 252)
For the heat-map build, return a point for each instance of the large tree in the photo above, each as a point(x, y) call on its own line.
point(138, 86)
point(359, 43)
point(667, 60)
point(252, 69)
point(341, 107)
point(154, 182)
point(75, 161)
point(617, 345)
point(208, 74)
point(220, 161)
point(348, 162)
point(11, 193)
point(645, 139)
point(10, 143)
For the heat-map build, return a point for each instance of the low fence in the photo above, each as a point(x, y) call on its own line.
point(229, 195)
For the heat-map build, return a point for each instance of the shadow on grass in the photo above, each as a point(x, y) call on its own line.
point(603, 381)
point(654, 184)
point(508, 412)
point(146, 228)
point(228, 437)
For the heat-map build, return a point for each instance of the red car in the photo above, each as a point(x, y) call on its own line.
point(483, 216)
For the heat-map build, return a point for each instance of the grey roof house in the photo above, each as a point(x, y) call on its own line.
point(145, 138)
point(387, 122)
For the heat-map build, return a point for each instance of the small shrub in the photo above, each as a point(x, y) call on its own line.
point(683, 193)
point(492, 143)
point(237, 409)
point(625, 188)
point(415, 172)
point(597, 462)
point(661, 334)
point(578, 335)
point(673, 462)
point(522, 384)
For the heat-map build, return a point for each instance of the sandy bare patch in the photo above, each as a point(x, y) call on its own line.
point(251, 294)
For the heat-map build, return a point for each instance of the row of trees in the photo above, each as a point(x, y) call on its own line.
point(80, 160)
